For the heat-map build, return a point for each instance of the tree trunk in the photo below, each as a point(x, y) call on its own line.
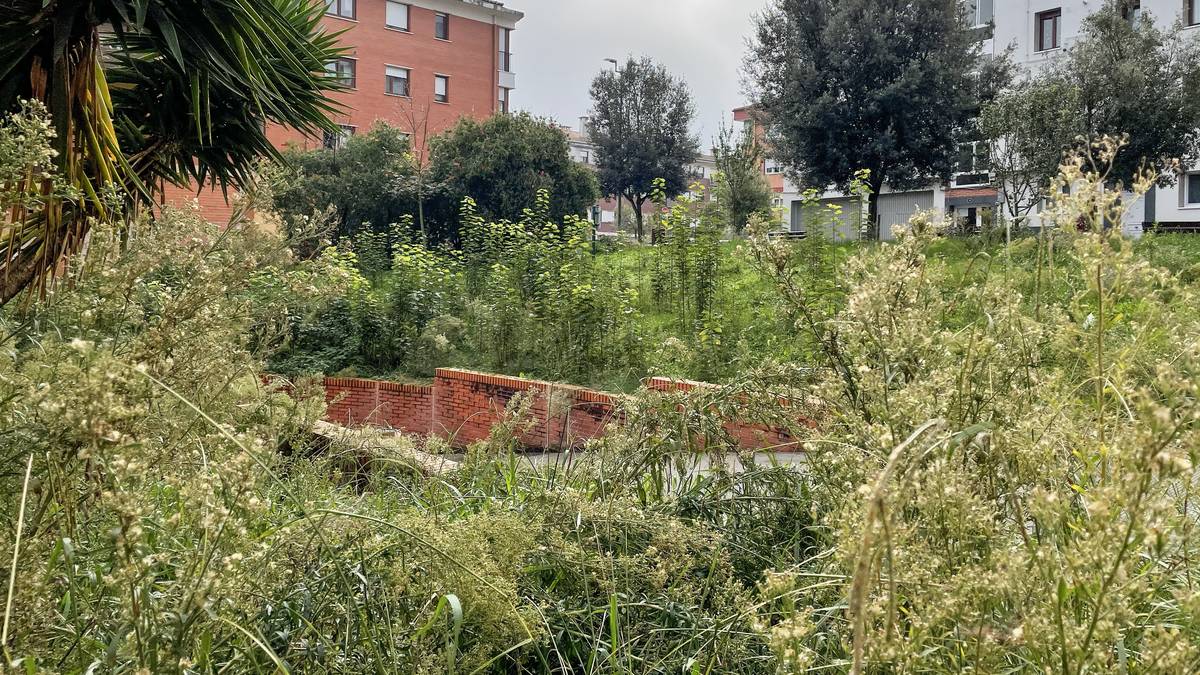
point(637, 214)
point(874, 230)
point(17, 276)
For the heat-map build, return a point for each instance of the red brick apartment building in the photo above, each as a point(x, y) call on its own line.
point(413, 59)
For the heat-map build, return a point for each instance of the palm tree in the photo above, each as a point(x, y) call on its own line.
point(146, 91)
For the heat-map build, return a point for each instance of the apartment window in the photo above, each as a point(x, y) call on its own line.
point(397, 81)
point(1191, 12)
point(441, 26)
point(503, 103)
point(974, 157)
point(1191, 188)
point(1131, 10)
point(505, 54)
point(441, 88)
point(587, 157)
point(980, 12)
point(337, 140)
point(397, 15)
point(342, 8)
point(773, 167)
point(344, 71)
point(1049, 30)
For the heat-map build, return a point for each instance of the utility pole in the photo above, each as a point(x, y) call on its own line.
point(620, 202)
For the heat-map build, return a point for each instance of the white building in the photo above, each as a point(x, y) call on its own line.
point(1038, 32)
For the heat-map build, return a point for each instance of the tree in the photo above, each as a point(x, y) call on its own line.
point(503, 162)
point(742, 189)
point(417, 182)
point(1123, 78)
point(640, 122)
point(141, 91)
point(1131, 79)
point(1027, 129)
point(884, 85)
point(360, 181)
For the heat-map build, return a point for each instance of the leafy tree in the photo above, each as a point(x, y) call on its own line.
point(174, 91)
point(1122, 79)
point(502, 163)
point(1027, 129)
point(640, 123)
point(1132, 79)
point(884, 85)
point(741, 188)
point(361, 181)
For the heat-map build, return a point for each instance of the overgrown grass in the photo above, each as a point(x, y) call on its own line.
point(1003, 478)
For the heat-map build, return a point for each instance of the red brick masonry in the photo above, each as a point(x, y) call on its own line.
point(463, 406)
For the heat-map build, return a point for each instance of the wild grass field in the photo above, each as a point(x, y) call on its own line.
point(1002, 478)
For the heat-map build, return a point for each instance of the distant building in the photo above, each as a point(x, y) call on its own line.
point(416, 59)
point(1038, 31)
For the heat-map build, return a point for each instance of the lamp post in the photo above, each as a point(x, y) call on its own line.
point(620, 202)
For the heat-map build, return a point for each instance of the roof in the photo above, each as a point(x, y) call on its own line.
point(495, 9)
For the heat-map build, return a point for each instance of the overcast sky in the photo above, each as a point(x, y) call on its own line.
point(560, 45)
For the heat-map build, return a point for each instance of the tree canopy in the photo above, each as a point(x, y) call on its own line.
point(641, 124)
point(503, 162)
point(885, 85)
point(1027, 128)
point(1125, 78)
point(742, 189)
point(361, 181)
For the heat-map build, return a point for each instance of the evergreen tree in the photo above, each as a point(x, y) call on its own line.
point(640, 122)
point(886, 85)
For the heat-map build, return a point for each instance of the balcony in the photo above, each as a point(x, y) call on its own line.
point(507, 79)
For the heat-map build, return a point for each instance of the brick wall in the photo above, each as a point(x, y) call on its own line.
point(747, 433)
point(469, 404)
point(463, 406)
point(355, 402)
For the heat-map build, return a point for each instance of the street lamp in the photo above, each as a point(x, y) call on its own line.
point(620, 203)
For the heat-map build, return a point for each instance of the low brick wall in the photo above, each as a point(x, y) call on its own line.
point(355, 402)
point(463, 406)
point(747, 433)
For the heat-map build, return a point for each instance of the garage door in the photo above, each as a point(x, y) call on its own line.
point(896, 209)
point(817, 217)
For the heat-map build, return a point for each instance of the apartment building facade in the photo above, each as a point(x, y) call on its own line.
point(1035, 33)
point(419, 65)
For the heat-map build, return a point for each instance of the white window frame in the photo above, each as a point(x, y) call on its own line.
point(347, 130)
point(504, 38)
point(407, 8)
point(438, 78)
point(1190, 200)
point(336, 7)
point(976, 14)
point(389, 72)
point(436, 15)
